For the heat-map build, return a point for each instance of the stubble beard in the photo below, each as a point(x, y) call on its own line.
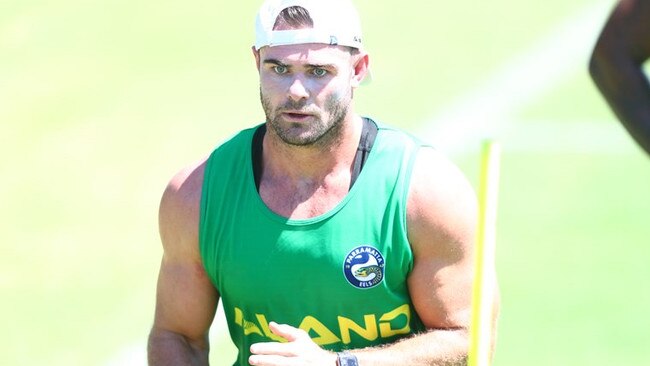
point(317, 132)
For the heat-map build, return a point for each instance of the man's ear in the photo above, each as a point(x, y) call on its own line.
point(361, 69)
point(256, 53)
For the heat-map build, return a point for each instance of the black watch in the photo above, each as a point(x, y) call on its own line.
point(346, 359)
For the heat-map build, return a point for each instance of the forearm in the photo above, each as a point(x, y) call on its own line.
point(168, 348)
point(434, 348)
point(626, 89)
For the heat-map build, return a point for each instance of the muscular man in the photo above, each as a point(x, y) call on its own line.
point(330, 238)
point(616, 67)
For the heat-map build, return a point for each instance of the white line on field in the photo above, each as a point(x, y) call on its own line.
point(487, 110)
point(582, 137)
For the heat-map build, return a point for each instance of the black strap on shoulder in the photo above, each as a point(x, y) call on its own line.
point(367, 140)
point(256, 154)
point(368, 135)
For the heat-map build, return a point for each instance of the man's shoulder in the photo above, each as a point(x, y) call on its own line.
point(179, 209)
point(441, 198)
point(435, 174)
point(183, 192)
point(188, 179)
point(393, 135)
point(236, 141)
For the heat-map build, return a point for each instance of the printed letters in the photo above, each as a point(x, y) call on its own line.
point(386, 327)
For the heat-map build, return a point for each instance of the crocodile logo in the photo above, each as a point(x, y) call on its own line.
point(364, 267)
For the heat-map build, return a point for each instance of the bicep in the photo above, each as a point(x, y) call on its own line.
point(186, 300)
point(442, 214)
point(441, 293)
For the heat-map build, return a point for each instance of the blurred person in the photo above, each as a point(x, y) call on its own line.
point(330, 238)
point(616, 66)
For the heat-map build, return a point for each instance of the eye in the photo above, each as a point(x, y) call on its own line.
point(319, 72)
point(280, 69)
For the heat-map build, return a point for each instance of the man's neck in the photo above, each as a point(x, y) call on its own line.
point(301, 182)
point(312, 162)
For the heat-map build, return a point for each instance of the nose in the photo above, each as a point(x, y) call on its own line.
point(298, 90)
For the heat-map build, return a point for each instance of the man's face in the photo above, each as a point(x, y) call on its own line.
point(306, 91)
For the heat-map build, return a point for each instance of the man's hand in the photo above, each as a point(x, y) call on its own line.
point(299, 350)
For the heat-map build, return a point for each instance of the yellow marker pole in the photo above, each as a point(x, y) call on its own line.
point(483, 288)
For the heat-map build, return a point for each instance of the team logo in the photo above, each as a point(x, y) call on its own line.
point(364, 267)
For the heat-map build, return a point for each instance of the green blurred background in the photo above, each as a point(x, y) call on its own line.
point(102, 102)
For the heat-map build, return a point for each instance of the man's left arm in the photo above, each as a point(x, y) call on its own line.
point(442, 216)
point(441, 219)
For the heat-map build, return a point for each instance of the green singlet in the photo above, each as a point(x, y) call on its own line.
point(340, 276)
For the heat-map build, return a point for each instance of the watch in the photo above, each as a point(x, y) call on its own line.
point(346, 359)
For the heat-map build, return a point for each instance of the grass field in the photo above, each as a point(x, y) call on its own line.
point(101, 102)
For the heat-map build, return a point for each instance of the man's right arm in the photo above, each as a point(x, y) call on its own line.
point(186, 300)
point(616, 67)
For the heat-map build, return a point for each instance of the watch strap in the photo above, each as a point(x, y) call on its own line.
point(346, 359)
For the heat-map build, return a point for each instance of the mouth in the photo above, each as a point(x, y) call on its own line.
point(295, 116)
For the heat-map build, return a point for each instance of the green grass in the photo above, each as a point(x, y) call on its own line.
point(100, 103)
point(572, 259)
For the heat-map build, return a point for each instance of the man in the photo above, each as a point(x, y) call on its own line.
point(616, 67)
point(331, 239)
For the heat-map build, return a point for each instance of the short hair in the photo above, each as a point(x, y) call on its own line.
point(297, 17)
point(293, 17)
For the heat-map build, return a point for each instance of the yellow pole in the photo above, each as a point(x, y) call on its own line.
point(483, 288)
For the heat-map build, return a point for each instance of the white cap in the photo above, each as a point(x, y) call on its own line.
point(336, 22)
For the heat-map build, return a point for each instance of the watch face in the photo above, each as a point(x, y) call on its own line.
point(346, 359)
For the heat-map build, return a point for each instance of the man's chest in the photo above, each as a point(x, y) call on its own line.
point(299, 202)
